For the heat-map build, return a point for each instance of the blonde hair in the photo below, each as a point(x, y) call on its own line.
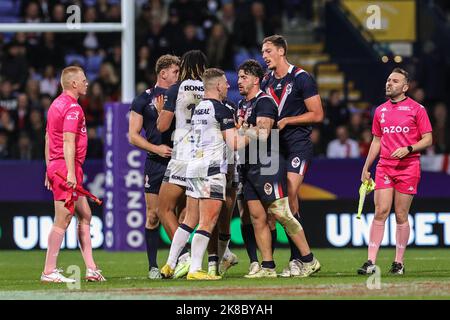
point(166, 61)
point(211, 74)
point(67, 75)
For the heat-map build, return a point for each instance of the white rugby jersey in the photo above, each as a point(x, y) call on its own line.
point(181, 99)
point(210, 151)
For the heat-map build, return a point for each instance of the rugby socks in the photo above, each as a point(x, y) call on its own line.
point(273, 233)
point(180, 238)
point(248, 235)
point(295, 253)
point(375, 238)
point(84, 236)
point(152, 241)
point(198, 248)
point(268, 264)
point(224, 240)
point(55, 238)
point(402, 237)
point(213, 260)
point(308, 258)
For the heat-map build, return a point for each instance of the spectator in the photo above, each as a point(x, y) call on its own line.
point(419, 95)
point(93, 105)
point(172, 31)
point(114, 57)
point(14, 66)
point(90, 39)
point(23, 149)
point(108, 81)
point(342, 147)
point(356, 125)
point(218, 49)
point(49, 52)
point(95, 145)
point(318, 147)
point(102, 9)
point(37, 131)
point(191, 41)
point(144, 71)
point(145, 15)
point(4, 148)
point(365, 142)
point(21, 115)
point(33, 92)
point(6, 121)
point(254, 28)
point(8, 100)
point(336, 114)
point(49, 84)
point(157, 41)
point(441, 129)
point(32, 15)
point(45, 102)
point(227, 17)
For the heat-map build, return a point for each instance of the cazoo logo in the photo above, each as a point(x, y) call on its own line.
point(395, 129)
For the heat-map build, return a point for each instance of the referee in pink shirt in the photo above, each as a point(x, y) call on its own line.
point(65, 152)
point(401, 130)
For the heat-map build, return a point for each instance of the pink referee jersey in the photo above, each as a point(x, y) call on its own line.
point(399, 125)
point(66, 115)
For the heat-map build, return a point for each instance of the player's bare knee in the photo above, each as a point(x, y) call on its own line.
point(258, 220)
point(84, 220)
point(152, 220)
point(381, 212)
point(401, 217)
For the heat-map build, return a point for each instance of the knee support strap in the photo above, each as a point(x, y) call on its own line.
point(280, 209)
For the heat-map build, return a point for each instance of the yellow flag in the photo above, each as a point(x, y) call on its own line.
point(366, 187)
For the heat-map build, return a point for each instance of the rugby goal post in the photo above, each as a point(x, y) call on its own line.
point(125, 27)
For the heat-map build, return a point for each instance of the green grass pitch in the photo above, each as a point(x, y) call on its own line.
point(427, 277)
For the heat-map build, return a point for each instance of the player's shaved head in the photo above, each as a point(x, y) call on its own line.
point(211, 76)
point(68, 75)
point(215, 82)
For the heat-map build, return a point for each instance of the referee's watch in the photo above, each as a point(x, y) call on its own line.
point(410, 149)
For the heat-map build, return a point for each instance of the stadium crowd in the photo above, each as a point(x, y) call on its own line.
point(30, 64)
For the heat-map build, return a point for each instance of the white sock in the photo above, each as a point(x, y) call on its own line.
point(227, 253)
point(180, 238)
point(222, 248)
point(198, 248)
